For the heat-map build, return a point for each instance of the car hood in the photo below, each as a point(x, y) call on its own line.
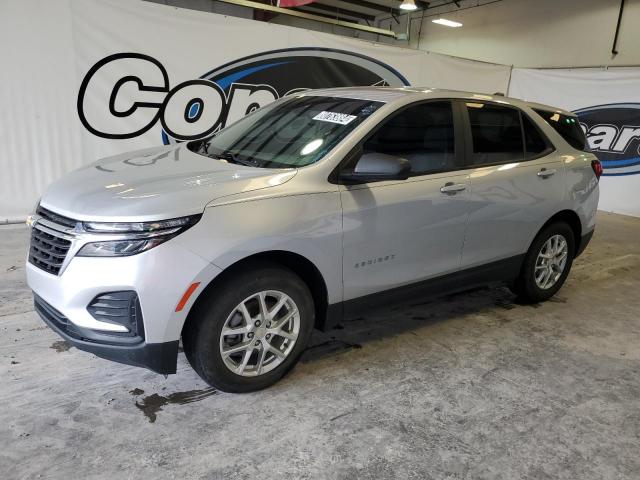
point(153, 184)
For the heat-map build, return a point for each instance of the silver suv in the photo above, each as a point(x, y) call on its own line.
point(306, 212)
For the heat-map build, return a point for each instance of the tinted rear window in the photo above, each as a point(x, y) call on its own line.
point(534, 142)
point(496, 133)
point(567, 126)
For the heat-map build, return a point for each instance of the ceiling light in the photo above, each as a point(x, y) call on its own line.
point(408, 5)
point(447, 23)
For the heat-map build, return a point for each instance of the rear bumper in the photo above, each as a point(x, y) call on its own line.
point(158, 357)
point(584, 241)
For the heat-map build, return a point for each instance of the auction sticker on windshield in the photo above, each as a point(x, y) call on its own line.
point(333, 117)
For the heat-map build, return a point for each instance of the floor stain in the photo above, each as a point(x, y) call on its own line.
point(61, 346)
point(523, 302)
point(327, 348)
point(506, 304)
point(336, 342)
point(136, 391)
point(557, 299)
point(340, 416)
point(152, 404)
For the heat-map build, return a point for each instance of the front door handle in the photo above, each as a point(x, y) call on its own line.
point(544, 173)
point(453, 188)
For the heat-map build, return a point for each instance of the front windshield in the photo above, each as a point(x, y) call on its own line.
point(292, 133)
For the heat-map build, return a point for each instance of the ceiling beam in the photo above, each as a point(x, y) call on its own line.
point(309, 16)
point(338, 11)
point(304, 9)
point(375, 6)
point(384, 8)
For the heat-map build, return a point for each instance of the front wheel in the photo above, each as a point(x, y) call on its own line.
point(546, 264)
point(251, 329)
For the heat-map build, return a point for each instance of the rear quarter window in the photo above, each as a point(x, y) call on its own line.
point(567, 126)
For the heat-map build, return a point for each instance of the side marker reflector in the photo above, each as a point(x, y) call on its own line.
point(187, 294)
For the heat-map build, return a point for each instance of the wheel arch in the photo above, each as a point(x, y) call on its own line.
point(569, 217)
point(298, 264)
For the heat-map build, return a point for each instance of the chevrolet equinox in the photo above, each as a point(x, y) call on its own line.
point(313, 209)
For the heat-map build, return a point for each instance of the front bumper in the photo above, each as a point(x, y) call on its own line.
point(159, 278)
point(158, 357)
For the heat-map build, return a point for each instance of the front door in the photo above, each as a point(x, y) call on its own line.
point(400, 232)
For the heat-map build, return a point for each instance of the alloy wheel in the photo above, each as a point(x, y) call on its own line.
point(260, 333)
point(551, 262)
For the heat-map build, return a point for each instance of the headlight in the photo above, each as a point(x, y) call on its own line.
point(123, 239)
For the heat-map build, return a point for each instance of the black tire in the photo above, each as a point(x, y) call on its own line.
point(525, 286)
point(201, 337)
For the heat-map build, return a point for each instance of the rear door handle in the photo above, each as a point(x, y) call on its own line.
point(544, 173)
point(453, 188)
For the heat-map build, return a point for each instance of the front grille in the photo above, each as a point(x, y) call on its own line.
point(120, 308)
point(48, 248)
point(47, 251)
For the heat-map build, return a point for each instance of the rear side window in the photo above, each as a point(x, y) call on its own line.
point(423, 134)
point(535, 144)
point(496, 134)
point(567, 126)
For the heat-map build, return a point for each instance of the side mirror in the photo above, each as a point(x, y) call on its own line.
point(377, 167)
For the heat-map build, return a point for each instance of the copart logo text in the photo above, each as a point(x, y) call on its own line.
point(613, 135)
point(126, 94)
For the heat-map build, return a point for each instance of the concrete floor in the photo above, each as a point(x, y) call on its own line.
point(472, 386)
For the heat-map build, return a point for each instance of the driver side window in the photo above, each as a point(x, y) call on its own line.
point(423, 134)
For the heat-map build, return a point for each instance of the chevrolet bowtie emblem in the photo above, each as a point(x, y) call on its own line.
point(31, 220)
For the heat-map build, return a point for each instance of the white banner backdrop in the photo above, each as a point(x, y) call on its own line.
point(607, 102)
point(48, 48)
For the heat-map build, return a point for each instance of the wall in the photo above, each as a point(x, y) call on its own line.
point(36, 124)
point(539, 33)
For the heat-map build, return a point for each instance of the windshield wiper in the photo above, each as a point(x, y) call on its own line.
point(233, 158)
point(204, 146)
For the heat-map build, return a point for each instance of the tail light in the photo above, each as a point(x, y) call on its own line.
point(597, 168)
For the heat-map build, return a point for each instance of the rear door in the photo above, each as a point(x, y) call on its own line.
point(401, 232)
point(516, 181)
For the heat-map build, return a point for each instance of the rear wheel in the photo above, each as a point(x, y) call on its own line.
point(546, 264)
point(251, 329)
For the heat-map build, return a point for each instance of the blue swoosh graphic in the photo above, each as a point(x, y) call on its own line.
point(224, 82)
point(620, 163)
point(620, 174)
